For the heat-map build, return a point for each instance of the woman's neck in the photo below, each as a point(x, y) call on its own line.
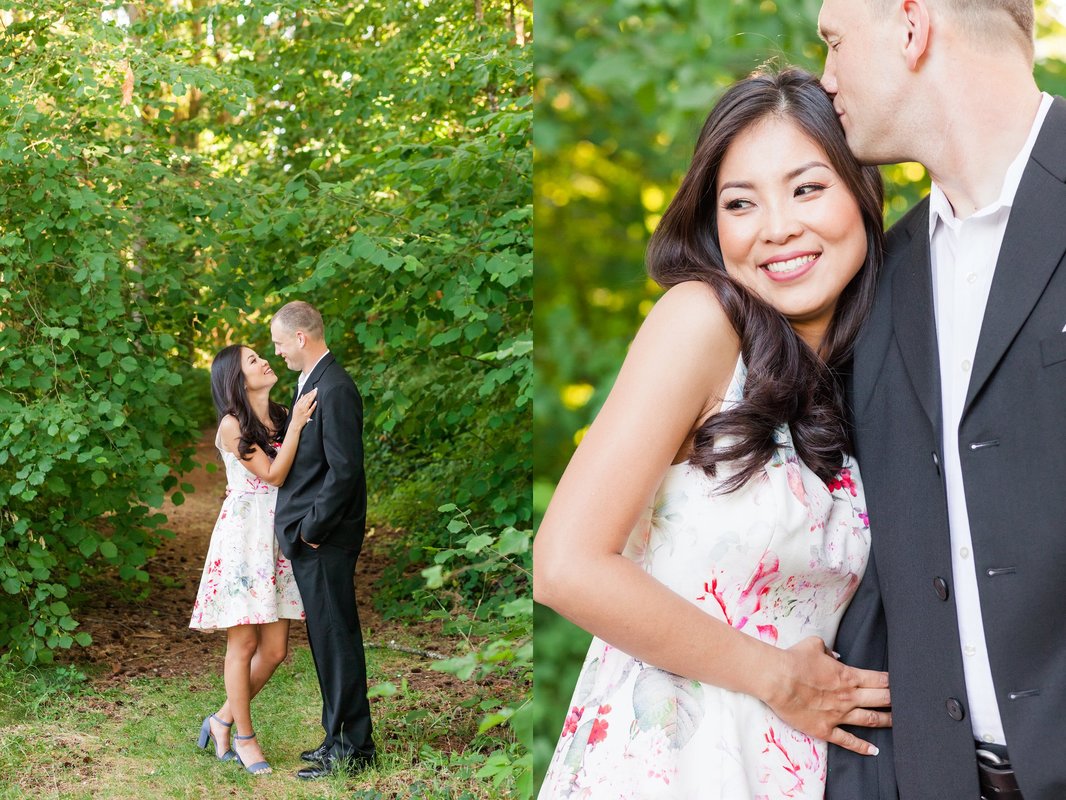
point(259, 402)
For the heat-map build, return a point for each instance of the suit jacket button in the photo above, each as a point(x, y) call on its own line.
point(955, 709)
point(940, 586)
point(936, 462)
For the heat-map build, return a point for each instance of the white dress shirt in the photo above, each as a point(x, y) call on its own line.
point(964, 254)
point(305, 375)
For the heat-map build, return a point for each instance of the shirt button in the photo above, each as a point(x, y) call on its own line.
point(988, 737)
point(966, 365)
point(964, 552)
point(970, 650)
point(971, 278)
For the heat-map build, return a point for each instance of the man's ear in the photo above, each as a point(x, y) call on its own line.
point(916, 32)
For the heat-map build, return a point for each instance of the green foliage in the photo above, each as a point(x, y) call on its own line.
point(621, 90)
point(498, 630)
point(97, 294)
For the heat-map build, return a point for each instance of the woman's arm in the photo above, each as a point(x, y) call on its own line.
point(677, 370)
point(259, 463)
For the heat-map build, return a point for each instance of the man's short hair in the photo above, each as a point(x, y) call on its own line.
point(988, 18)
point(300, 316)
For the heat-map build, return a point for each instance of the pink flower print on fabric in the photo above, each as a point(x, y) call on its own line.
point(795, 760)
point(844, 481)
point(767, 633)
point(795, 481)
point(572, 719)
point(598, 732)
point(750, 600)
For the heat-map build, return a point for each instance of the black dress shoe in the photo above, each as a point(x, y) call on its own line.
point(316, 755)
point(330, 765)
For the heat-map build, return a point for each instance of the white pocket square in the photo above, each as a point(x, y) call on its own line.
point(1064, 328)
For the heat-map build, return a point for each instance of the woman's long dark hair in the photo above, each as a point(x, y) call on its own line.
point(227, 390)
point(787, 381)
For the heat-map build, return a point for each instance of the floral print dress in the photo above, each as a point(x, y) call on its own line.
point(778, 559)
point(246, 579)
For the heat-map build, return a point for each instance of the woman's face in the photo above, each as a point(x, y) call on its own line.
point(257, 372)
point(789, 228)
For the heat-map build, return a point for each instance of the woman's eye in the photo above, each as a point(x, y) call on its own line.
point(737, 204)
point(809, 188)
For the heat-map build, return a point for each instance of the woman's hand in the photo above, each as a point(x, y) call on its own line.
point(817, 694)
point(304, 408)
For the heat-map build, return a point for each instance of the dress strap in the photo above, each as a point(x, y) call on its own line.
point(735, 392)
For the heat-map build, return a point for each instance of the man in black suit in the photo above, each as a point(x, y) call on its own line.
point(320, 521)
point(959, 400)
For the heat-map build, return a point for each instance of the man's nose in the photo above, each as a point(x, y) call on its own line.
point(829, 75)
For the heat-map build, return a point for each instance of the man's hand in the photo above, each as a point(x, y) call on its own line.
point(312, 546)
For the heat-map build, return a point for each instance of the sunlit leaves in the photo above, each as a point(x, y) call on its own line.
point(97, 298)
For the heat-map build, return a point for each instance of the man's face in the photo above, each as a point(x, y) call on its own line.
point(861, 74)
point(288, 344)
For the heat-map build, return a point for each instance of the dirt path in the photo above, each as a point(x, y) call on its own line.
point(136, 634)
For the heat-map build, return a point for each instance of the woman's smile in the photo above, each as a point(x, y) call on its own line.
point(789, 267)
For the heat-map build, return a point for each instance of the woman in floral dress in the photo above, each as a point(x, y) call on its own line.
point(247, 587)
point(711, 528)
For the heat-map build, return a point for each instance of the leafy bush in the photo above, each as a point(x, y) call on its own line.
point(499, 629)
point(97, 299)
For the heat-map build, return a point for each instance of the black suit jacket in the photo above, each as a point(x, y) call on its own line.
point(323, 500)
point(1012, 445)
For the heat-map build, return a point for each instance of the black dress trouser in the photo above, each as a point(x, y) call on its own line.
point(326, 578)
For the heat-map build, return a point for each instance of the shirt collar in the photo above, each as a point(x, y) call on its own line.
point(940, 208)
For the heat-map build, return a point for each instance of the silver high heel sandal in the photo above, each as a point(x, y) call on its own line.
point(206, 736)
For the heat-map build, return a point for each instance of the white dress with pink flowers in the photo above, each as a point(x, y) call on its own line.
point(246, 579)
point(778, 559)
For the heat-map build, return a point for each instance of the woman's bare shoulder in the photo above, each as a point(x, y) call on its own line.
point(229, 433)
point(692, 315)
point(229, 426)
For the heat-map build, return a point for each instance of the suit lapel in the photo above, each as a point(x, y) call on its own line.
point(309, 384)
point(1033, 245)
point(317, 372)
point(913, 320)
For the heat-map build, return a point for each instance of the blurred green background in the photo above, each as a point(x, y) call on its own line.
point(621, 89)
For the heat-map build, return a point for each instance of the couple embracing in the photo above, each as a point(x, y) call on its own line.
point(286, 541)
point(713, 527)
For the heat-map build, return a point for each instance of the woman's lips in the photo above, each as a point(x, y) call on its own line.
point(790, 267)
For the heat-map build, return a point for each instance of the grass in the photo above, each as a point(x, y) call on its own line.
point(62, 737)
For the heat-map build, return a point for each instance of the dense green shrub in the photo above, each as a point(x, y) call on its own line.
point(98, 294)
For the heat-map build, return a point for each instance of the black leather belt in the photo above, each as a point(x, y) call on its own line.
point(995, 773)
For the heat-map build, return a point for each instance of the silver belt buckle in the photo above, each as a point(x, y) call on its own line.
point(990, 759)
